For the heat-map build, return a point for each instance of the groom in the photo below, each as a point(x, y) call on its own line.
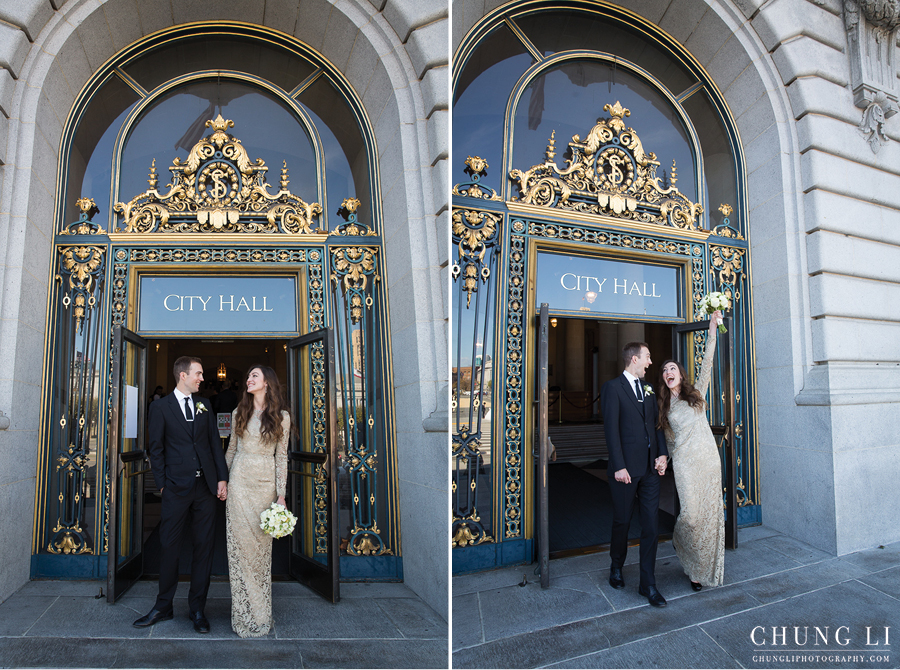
point(637, 459)
point(189, 466)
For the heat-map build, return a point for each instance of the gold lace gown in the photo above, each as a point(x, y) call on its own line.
point(699, 536)
point(257, 476)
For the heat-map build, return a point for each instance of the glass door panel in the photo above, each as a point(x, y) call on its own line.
point(542, 446)
point(312, 481)
point(127, 462)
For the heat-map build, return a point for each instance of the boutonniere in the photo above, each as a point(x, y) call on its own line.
point(648, 390)
point(200, 407)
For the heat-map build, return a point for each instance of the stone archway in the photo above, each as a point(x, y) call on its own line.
point(734, 44)
point(388, 57)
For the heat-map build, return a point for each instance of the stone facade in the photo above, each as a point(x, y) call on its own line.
point(823, 174)
point(394, 53)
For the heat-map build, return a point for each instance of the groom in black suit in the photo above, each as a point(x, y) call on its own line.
point(637, 459)
point(189, 466)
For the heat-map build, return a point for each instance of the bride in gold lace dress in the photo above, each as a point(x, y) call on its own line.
point(699, 536)
point(257, 462)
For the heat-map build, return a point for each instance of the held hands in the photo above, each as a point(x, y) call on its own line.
point(222, 491)
point(623, 476)
point(660, 465)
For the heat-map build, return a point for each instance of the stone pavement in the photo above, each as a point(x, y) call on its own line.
point(771, 580)
point(61, 624)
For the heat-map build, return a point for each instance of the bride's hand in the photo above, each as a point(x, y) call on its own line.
point(715, 320)
point(280, 501)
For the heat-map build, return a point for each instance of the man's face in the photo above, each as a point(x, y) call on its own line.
point(193, 377)
point(642, 362)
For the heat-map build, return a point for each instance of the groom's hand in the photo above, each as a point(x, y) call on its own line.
point(623, 476)
point(661, 463)
point(222, 493)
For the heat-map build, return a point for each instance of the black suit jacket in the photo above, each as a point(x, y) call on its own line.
point(178, 448)
point(630, 426)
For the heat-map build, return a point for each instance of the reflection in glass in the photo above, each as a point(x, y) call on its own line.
point(472, 387)
point(569, 98)
point(90, 159)
point(131, 439)
point(555, 31)
point(718, 159)
point(482, 92)
point(266, 126)
point(75, 434)
point(362, 490)
point(346, 160)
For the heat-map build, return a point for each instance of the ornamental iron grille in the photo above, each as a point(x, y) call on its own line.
point(216, 191)
point(78, 350)
point(609, 176)
point(608, 173)
point(476, 236)
point(354, 279)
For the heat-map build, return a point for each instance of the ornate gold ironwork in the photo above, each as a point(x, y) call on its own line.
point(71, 541)
point(367, 542)
point(476, 168)
point(726, 229)
point(473, 232)
point(728, 262)
point(218, 189)
point(608, 173)
point(84, 265)
point(353, 227)
point(352, 266)
point(84, 225)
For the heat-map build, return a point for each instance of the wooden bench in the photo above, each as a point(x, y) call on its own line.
point(578, 442)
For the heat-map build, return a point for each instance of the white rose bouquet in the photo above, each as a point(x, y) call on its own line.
point(277, 521)
point(713, 301)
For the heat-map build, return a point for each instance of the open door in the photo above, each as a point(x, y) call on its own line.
point(542, 446)
point(313, 464)
point(127, 462)
point(724, 434)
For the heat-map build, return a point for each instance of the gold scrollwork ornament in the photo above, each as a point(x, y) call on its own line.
point(218, 189)
point(728, 262)
point(474, 232)
point(609, 173)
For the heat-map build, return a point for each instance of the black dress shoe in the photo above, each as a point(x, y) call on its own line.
point(615, 578)
point(696, 586)
point(653, 596)
point(154, 616)
point(201, 625)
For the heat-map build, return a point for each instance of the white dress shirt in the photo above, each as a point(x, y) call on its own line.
point(631, 379)
point(180, 397)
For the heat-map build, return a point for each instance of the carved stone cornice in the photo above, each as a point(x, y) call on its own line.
point(608, 173)
point(218, 189)
point(872, 27)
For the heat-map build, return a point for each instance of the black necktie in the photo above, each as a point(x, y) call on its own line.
point(637, 387)
point(187, 409)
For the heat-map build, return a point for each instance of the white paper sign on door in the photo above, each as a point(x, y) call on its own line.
point(131, 412)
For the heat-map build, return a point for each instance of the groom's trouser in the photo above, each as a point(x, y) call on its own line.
point(199, 505)
point(643, 491)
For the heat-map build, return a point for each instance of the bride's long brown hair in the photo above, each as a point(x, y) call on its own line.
point(664, 398)
point(270, 419)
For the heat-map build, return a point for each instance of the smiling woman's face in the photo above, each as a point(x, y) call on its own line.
point(672, 376)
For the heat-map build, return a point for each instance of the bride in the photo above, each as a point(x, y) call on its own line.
point(699, 536)
point(257, 462)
